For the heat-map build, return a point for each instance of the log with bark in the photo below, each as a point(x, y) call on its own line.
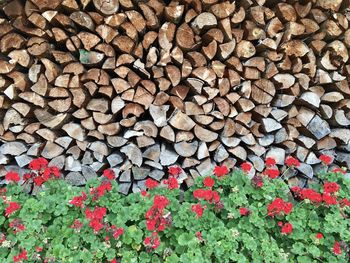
point(137, 86)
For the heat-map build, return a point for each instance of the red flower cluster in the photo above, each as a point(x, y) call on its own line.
point(198, 209)
point(150, 183)
point(339, 170)
point(208, 182)
point(319, 235)
point(17, 226)
point(109, 174)
point(315, 197)
point(310, 194)
point(42, 172)
point(156, 221)
point(278, 206)
point(78, 201)
point(246, 167)
point(270, 162)
point(11, 208)
point(272, 173)
point(243, 211)
point(257, 181)
point(100, 190)
point(174, 170)
point(329, 199)
point(206, 194)
point(172, 183)
point(95, 217)
point(199, 236)
point(287, 228)
point(326, 159)
point(21, 256)
point(38, 164)
point(330, 187)
point(220, 170)
point(116, 231)
point(77, 225)
point(152, 241)
point(337, 248)
point(344, 202)
point(12, 177)
point(292, 162)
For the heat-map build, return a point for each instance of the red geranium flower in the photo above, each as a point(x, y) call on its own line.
point(292, 162)
point(310, 194)
point(150, 183)
point(277, 206)
point(11, 208)
point(38, 164)
point(272, 173)
point(77, 224)
point(199, 236)
point(12, 177)
point(220, 170)
point(208, 182)
point(246, 167)
point(330, 187)
point(109, 174)
point(198, 209)
point(244, 211)
point(113, 261)
point(344, 202)
point(326, 159)
point(339, 170)
point(152, 241)
point(174, 170)
point(287, 228)
point(337, 248)
point(329, 199)
point(78, 201)
point(270, 162)
point(21, 256)
point(172, 183)
point(319, 235)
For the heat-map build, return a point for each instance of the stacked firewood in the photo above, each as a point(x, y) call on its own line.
point(138, 86)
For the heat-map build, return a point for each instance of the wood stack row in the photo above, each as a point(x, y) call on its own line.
point(139, 85)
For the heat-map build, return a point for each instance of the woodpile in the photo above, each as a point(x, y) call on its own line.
point(140, 85)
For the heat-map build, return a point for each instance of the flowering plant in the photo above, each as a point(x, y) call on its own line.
point(227, 217)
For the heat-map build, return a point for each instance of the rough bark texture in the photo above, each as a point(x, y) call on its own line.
point(140, 85)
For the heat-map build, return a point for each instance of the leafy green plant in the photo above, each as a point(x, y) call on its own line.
point(227, 217)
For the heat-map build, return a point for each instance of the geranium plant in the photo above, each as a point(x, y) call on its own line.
point(227, 217)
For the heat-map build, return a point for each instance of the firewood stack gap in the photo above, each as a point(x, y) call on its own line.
point(138, 86)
